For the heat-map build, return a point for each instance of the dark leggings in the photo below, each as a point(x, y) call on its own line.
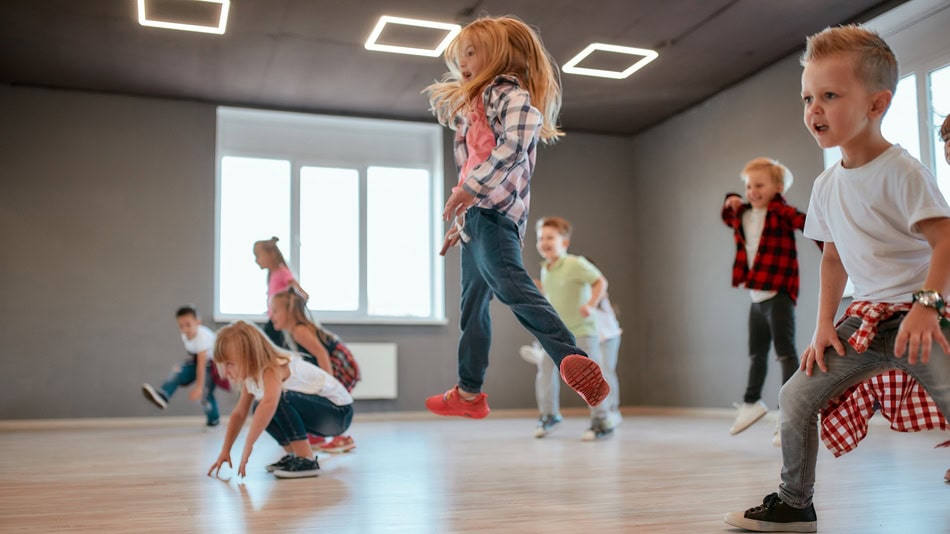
point(771, 321)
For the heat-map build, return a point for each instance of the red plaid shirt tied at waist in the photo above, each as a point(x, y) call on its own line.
point(901, 399)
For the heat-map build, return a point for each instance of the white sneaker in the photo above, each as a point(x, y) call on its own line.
point(777, 433)
point(748, 415)
point(531, 354)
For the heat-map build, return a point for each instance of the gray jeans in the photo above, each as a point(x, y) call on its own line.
point(547, 383)
point(802, 396)
point(610, 349)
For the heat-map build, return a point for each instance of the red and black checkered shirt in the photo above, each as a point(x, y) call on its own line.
point(776, 262)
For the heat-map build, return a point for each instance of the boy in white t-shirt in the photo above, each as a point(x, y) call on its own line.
point(198, 368)
point(885, 225)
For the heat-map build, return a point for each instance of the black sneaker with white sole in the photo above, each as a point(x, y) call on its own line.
point(157, 397)
point(298, 468)
point(773, 515)
point(280, 464)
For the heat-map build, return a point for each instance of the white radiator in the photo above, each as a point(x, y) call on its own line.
point(377, 363)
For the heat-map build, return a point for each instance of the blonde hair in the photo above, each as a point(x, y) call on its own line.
point(779, 173)
point(874, 63)
point(560, 225)
point(295, 304)
point(270, 246)
point(248, 347)
point(506, 46)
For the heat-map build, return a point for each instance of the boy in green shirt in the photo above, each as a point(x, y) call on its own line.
point(574, 287)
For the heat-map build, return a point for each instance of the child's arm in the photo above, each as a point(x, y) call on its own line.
point(919, 330)
point(597, 290)
point(202, 363)
point(235, 422)
point(730, 208)
point(306, 338)
point(262, 415)
point(832, 279)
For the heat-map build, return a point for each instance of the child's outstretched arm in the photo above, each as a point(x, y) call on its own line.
point(833, 278)
point(201, 361)
point(262, 415)
point(306, 338)
point(921, 327)
point(235, 422)
point(730, 208)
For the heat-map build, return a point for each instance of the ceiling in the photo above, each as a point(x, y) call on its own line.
point(308, 55)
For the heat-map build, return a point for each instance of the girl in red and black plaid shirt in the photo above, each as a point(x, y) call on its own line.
point(767, 264)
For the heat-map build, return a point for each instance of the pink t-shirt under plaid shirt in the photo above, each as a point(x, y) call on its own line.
point(278, 280)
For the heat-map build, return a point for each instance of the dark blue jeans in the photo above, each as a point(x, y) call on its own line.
point(299, 414)
point(492, 267)
point(770, 322)
point(184, 375)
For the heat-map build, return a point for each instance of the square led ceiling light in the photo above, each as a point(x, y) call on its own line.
point(646, 56)
point(401, 41)
point(206, 16)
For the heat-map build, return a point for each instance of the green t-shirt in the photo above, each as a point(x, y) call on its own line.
point(567, 285)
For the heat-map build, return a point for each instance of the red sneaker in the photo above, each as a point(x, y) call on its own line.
point(315, 441)
point(450, 403)
point(338, 444)
point(583, 376)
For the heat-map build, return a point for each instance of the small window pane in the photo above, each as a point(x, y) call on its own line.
point(940, 104)
point(330, 238)
point(901, 125)
point(255, 204)
point(398, 213)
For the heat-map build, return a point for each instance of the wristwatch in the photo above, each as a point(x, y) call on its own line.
point(932, 299)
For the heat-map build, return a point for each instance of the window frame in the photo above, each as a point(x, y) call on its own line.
point(252, 133)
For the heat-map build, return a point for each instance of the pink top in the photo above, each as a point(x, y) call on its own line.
point(480, 139)
point(278, 280)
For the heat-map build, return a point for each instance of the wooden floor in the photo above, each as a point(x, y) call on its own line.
point(657, 474)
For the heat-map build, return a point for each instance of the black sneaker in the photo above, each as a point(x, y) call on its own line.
point(775, 516)
point(157, 397)
point(298, 467)
point(546, 424)
point(280, 464)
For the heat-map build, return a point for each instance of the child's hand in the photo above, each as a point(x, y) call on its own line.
point(919, 329)
point(586, 310)
point(825, 336)
point(225, 456)
point(195, 393)
point(451, 239)
point(733, 202)
point(459, 201)
point(244, 459)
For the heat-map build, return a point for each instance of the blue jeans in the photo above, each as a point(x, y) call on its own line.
point(299, 414)
point(492, 266)
point(185, 374)
point(803, 395)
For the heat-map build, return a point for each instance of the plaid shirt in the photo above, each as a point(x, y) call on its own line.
point(502, 182)
point(901, 399)
point(776, 262)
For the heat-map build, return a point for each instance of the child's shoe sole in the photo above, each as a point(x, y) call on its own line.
point(154, 396)
point(583, 375)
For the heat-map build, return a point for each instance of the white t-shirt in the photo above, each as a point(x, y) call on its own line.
point(870, 214)
point(203, 341)
point(753, 223)
point(307, 378)
point(606, 319)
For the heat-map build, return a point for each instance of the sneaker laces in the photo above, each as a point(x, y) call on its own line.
point(768, 503)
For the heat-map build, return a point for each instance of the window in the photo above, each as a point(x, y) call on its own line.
point(939, 95)
point(355, 203)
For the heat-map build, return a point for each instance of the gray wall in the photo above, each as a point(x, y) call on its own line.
point(106, 222)
point(692, 341)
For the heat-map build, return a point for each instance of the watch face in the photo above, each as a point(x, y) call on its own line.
point(928, 298)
